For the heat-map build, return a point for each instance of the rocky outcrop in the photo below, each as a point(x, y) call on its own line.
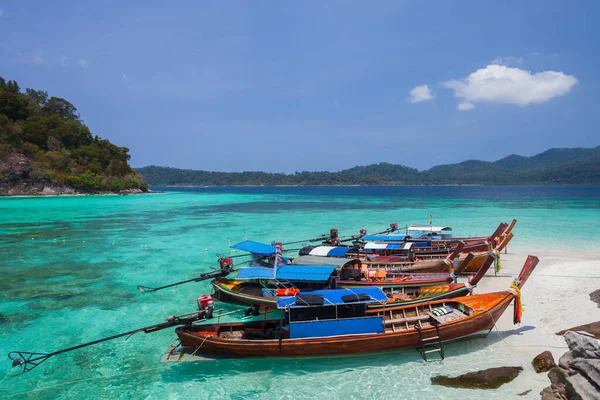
point(558, 376)
point(578, 377)
point(543, 362)
point(557, 388)
point(491, 378)
point(16, 180)
point(582, 345)
point(588, 368)
point(579, 388)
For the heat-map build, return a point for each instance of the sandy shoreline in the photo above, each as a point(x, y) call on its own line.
point(556, 297)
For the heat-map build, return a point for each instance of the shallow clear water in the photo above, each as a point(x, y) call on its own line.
point(70, 267)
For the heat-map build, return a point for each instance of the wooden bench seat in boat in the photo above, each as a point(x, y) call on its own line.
point(414, 318)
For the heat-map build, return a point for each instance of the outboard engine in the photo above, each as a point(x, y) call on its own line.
point(333, 237)
point(206, 305)
point(226, 265)
point(394, 226)
point(363, 232)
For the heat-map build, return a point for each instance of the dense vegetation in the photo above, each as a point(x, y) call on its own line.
point(48, 137)
point(553, 166)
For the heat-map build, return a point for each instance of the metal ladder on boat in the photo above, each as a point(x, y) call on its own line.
point(426, 343)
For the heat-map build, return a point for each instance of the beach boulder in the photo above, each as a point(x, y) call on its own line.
point(558, 376)
point(579, 388)
point(592, 328)
point(543, 362)
point(554, 392)
point(595, 297)
point(582, 345)
point(578, 377)
point(491, 378)
point(565, 360)
point(588, 368)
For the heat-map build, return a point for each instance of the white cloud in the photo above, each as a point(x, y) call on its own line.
point(502, 84)
point(35, 58)
point(507, 60)
point(465, 106)
point(124, 76)
point(420, 93)
point(1, 12)
point(83, 63)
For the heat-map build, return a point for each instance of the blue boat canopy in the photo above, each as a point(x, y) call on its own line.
point(386, 238)
point(329, 251)
point(258, 248)
point(336, 297)
point(297, 273)
point(388, 246)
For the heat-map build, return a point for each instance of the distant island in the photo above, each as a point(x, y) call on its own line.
point(554, 166)
point(46, 149)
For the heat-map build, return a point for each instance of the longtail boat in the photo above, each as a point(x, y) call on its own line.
point(259, 286)
point(339, 322)
point(393, 264)
point(438, 263)
point(404, 250)
point(425, 244)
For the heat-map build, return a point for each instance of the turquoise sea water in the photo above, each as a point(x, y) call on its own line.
point(70, 266)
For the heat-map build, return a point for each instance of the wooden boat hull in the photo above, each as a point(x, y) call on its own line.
point(433, 266)
point(475, 263)
point(410, 281)
point(225, 291)
point(204, 339)
point(427, 294)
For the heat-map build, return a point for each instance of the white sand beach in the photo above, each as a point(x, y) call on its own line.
point(555, 297)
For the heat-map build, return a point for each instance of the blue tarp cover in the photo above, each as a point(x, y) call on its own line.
point(338, 252)
point(334, 296)
point(336, 327)
point(288, 272)
point(250, 246)
point(329, 251)
point(386, 238)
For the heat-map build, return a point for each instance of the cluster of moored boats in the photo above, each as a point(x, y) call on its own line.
point(389, 290)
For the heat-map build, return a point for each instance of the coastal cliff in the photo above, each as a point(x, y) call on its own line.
point(46, 149)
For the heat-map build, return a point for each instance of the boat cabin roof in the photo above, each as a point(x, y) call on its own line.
point(333, 297)
point(325, 251)
point(253, 247)
point(392, 237)
point(387, 246)
point(297, 273)
point(319, 260)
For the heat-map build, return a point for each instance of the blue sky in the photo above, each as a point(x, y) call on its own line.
point(311, 85)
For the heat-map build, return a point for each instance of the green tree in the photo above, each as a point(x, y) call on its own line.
point(62, 108)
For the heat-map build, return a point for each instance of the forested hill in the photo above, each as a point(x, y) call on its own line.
point(564, 166)
point(45, 148)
